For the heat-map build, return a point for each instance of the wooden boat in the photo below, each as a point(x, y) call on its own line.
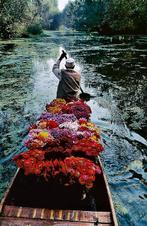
point(32, 207)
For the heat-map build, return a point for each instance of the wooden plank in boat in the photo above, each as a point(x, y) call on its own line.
point(30, 222)
point(56, 215)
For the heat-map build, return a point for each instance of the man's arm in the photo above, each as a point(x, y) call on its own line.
point(56, 69)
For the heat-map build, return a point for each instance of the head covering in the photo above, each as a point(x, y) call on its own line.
point(70, 63)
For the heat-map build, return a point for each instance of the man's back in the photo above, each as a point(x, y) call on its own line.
point(69, 79)
point(69, 84)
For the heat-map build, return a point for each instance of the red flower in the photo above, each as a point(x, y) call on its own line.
point(82, 120)
point(56, 163)
point(52, 124)
point(87, 146)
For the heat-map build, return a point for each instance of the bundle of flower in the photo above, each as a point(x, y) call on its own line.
point(59, 118)
point(88, 147)
point(64, 137)
point(80, 131)
point(50, 121)
point(44, 124)
point(38, 138)
point(48, 133)
point(56, 106)
point(58, 137)
point(70, 125)
point(68, 171)
point(89, 127)
point(79, 108)
point(31, 161)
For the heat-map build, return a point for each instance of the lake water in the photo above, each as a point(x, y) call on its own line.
point(112, 68)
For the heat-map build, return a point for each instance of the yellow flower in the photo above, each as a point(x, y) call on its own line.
point(98, 130)
point(90, 124)
point(59, 101)
point(54, 109)
point(43, 134)
point(94, 137)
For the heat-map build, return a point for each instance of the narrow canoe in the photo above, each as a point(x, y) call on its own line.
point(30, 207)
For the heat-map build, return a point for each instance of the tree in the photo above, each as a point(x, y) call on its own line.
point(85, 14)
point(11, 14)
point(17, 16)
point(125, 16)
point(46, 10)
point(107, 16)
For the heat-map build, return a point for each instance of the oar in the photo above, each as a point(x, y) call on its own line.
point(85, 96)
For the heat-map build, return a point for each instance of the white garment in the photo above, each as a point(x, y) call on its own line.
point(56, 69)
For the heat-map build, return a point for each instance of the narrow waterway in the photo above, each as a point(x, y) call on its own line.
point(112, 68)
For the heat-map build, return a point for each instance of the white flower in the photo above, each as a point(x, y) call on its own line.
point(70, 125)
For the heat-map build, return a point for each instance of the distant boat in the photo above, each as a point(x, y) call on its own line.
point(25, 203)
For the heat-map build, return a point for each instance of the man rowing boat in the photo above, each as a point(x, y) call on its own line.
point(69, 79)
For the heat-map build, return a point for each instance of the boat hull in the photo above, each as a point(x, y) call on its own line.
point(21, 207)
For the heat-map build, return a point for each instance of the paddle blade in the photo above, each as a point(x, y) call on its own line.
point(86, 96)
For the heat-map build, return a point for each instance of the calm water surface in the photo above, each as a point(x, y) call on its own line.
point(115, 70)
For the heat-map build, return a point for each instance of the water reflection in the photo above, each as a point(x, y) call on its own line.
point(114, 69)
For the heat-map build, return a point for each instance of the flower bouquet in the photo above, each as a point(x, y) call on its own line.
point(78, 108)
point(38, 138)
point(56, 106)
point(87, 147)
point(69, 171)
point(59, 118)
point(62, 147)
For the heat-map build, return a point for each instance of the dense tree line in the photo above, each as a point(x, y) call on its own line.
point(20, 16)
point(107, 16)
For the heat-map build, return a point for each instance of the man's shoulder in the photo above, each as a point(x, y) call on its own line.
point(70, 71)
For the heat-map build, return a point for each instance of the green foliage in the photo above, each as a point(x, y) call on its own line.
point(11, 13)
point(127, 16)
point(34, 29)
point(107, 16)
point(46, 10)
point(85, 14)
point(21, 16)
